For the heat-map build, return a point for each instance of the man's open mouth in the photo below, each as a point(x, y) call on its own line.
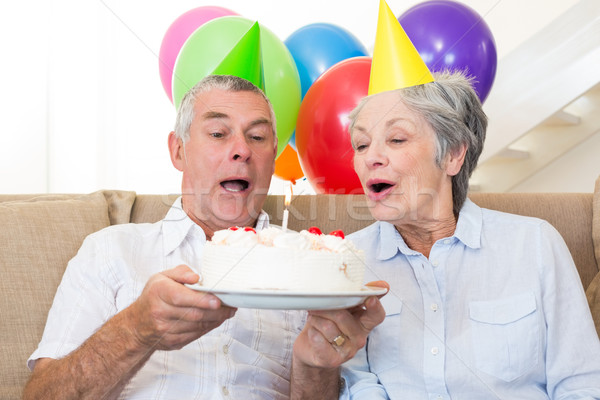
point(235, 185)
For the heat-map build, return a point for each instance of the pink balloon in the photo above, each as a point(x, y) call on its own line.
point(176, 36)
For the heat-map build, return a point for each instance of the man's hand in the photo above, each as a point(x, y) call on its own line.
point(329, 339)
point(168, 315)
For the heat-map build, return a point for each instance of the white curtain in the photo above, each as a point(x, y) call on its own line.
point(82, 104)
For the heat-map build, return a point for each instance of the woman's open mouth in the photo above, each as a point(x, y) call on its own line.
point(377, 189)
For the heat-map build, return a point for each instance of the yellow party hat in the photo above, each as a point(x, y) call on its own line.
point(396, 62)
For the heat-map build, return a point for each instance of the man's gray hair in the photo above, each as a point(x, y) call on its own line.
point(452, 108)
point(230, 83)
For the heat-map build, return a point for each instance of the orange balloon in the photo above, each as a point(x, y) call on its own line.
point(287, 165)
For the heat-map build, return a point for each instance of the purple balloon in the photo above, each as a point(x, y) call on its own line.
point(453, 36)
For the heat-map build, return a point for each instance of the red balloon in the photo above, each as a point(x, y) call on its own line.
point(322, 138)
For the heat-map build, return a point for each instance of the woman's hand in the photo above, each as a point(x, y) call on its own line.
point(329, 339)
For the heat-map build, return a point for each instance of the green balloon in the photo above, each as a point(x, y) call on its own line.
point(210, 44)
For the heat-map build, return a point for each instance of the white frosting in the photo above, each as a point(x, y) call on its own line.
point(221, 237)
point(334, 243)
point(267, 235)
point(292, 240)
point(273, 259)
point(242, 238)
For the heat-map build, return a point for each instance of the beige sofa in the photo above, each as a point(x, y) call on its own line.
point(40, 233)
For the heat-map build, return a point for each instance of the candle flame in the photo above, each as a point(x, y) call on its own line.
point(288, 197)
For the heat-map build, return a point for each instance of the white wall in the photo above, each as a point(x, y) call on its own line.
point(23, 97)
point(82, 107)
point(576, 170)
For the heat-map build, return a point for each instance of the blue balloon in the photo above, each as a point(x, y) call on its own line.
point(316, 47)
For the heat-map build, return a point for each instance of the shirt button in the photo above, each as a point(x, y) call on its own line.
point(435, 351)
point(446, 241)
point(225, 391)
point(435, 263)
point(434, 307)
point(225, 349)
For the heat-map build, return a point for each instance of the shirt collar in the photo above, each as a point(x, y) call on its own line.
point(177, 225)
point(468, 231)
point(390, 242)
point(469, 225)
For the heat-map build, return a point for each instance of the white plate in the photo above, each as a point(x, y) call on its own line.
point(288, 300)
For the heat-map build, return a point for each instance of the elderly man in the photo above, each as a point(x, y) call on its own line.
point(124, 325)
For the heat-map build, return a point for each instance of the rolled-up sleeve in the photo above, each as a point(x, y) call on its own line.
point(359, 382)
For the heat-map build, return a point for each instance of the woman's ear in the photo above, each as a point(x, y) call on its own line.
point(455, 160)
point(176, 151)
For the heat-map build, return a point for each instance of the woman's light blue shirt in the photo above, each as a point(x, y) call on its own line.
point(497, 311)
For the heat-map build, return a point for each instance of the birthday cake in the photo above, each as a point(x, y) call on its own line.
point(274, 259)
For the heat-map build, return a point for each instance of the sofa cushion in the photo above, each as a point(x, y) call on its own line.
point(42, 231)
point(569, 213)
point(119, 205)
point(328, 212)
point(119, 202)
point(151, 207)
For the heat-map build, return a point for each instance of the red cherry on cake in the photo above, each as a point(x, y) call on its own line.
point(339, 233)
point(314, 230)
point(233, 228)
point(249, 229)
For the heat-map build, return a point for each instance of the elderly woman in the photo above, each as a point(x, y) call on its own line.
point(482, 304)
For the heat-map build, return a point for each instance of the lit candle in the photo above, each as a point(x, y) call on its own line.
point(286, 213)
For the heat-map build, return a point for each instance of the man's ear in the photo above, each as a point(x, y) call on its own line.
point(455, 160)
point(176, 151)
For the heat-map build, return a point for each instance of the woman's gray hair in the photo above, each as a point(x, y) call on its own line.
point(452, 108)
point(230, 83)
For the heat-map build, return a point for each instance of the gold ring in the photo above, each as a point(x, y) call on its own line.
point(338, 340)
